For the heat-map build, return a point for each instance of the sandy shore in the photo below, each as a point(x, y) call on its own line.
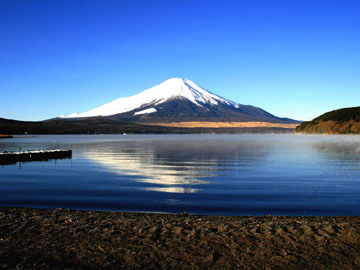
point(67, 239)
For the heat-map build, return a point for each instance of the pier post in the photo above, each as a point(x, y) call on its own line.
point(54, 144)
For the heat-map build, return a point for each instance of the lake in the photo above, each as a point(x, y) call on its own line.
point(200, 174)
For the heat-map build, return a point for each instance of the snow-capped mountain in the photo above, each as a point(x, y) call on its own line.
point(178, 99)
point(168, 90)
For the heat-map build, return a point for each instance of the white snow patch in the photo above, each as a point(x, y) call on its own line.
point(151, 110)
point(73, 115)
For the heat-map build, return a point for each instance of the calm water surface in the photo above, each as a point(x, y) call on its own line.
point(203, 174)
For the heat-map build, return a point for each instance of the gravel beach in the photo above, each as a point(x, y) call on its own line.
point(69, 239)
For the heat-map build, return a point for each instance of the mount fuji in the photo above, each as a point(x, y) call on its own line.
point(178, 100)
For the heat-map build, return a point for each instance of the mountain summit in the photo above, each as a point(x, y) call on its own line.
point(174, 88)
point(178, 99)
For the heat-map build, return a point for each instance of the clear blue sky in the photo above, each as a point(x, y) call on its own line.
point(293, 58)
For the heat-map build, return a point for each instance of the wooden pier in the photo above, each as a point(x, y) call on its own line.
point(36, 155)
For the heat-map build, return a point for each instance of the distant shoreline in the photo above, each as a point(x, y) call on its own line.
point(71, 239)
point(111, 126)
point(205, 124)
point(3, 136)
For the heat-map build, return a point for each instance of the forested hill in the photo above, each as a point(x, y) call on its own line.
point(342, 121)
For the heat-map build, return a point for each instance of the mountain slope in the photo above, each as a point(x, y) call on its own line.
point(178, 100)
point(342, 121)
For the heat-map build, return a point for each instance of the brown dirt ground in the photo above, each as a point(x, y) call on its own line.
point(205, 124)
point(68, 239)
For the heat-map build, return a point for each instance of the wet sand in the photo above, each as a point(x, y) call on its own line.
point(68, 239)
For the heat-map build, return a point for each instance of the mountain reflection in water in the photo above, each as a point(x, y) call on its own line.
point(171, 166)
point(203, 174)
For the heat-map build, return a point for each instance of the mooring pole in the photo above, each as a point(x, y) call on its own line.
point(71, 144)
point(54, 144)
point(20, 149)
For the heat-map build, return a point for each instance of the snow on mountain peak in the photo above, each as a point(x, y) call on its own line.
point(169, 89)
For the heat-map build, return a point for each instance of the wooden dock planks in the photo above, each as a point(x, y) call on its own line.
point(37, 155)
